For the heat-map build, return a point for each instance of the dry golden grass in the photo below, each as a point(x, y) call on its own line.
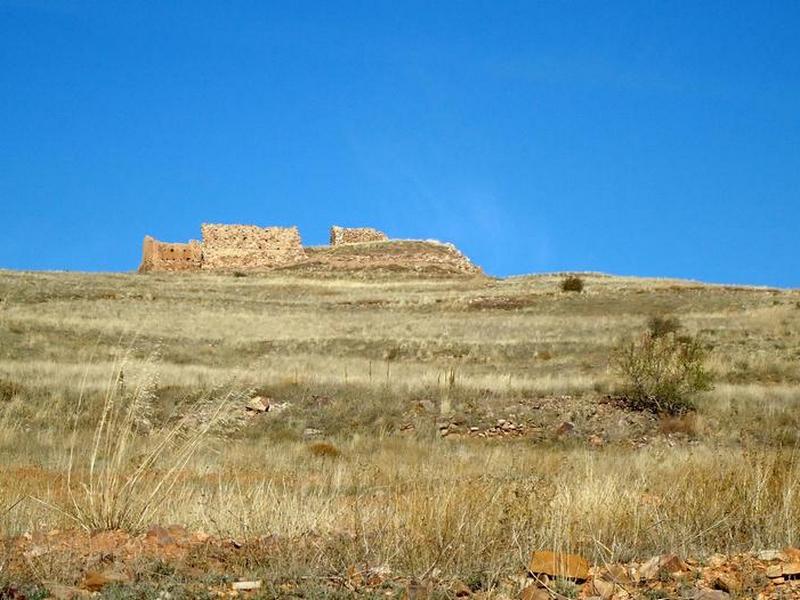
point(355, 359)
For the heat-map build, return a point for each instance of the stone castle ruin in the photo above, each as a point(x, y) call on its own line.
point(249, 248)
point(161, 256)
point(354, 235)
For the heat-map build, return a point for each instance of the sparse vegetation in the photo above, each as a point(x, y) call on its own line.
point(9, 390)
point(134, 465)
point(572, 283)
point(659, 326)
point(663, 373)
point(357, 464)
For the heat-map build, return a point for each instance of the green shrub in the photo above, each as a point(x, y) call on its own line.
point(572, 283)
point(662, 374)
point(661, 326)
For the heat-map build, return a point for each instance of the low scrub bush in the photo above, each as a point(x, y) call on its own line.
point(662, 374)
point(572, 283)
point(9, 389)
point(660, 326)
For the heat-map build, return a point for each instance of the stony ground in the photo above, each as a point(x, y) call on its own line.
point(170, 562)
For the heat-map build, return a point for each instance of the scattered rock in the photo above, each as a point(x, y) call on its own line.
point(672, 564)
point(65, 592)
point(596, 441)
point(649, 569)
point(711, 595)
point(715, 561)
point(617, 574)
point(570, 566)
point(200, 537)
point(460, 590)
point(35, 552)
point(244, 586)
point(534, 592)
point(565, 428)
point(770, 555)
point(94, 581)
point(311, 432)
point(258, 404)
point(603, 589)
point(774, 571)
point(726, 582)
point(668, 563)
point(791, 569)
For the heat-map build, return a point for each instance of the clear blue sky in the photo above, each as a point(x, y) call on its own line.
point(646, 138)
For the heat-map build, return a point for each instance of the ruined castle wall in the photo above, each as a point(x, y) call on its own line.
point(249, 248)
point(354, 235)
point(163, 256)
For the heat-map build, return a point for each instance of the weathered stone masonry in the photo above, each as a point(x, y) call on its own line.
point(247, 247)
point(160, 256)
point(355, 235)
point(250, 248)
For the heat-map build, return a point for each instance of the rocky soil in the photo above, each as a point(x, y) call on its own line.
point(167, 562)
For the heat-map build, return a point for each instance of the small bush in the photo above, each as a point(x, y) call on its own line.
point(9, 389)
point(660, 326)
point(239, 274)
point(572, 283)
point(662, 374)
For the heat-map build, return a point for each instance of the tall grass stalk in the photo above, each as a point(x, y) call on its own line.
point(132, 467)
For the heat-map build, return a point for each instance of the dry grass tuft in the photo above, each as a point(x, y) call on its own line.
point(324, 450)
point(133, 465)
point(679, 424)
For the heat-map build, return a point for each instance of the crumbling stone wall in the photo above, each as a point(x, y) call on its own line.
point(250, 248)
point(354, 235)
point(163, 256)
point(247, 247)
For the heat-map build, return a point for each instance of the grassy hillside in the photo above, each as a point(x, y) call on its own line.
point(447, 425)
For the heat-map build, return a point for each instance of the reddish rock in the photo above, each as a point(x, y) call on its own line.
point(460, 590)
point(565, 427)
point(791, 569)
point(534, 592)
point(710, 595)
point(604, 589)
point(94, 581)
point(558, 564)
point(259, 404)
point(726, 582)
point(774, 571)
point(672, 564)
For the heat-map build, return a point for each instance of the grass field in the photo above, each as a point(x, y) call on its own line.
point(387, 446)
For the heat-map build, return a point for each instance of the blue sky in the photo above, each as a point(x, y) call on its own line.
point(643, 138)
